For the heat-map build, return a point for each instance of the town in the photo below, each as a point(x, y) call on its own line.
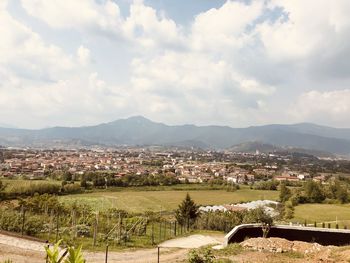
point(186, 165)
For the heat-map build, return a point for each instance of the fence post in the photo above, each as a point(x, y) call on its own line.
point(106, 259)
point(160, 231)
point(175, 228)
point(323, 225)
point(315, 224)
point(23, 219)
point(329, 225)
point(152, 235)
point(57, 224)
point(158, 254)
point(47, 256)
point(95, 229)
point(120, 229)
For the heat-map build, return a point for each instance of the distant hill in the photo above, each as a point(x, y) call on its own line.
point(141, 131)
point(252, 147)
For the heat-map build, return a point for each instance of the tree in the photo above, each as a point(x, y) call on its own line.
point(187, 211)
point(342, 194)
point(83, 182)
point(2, 187)
point(314, 192)
point(67, 176)
point(285, 192)
point(288, 211)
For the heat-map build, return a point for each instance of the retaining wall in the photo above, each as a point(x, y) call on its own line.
point(323, 236)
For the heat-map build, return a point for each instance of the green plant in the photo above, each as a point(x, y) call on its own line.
point(206, 257)
point(75, 255)
point(53, 254)
point(187, 211)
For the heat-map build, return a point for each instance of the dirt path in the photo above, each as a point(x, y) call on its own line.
point(194, 241)
point(22, 251)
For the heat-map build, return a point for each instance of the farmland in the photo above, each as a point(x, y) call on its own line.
point(167, 200)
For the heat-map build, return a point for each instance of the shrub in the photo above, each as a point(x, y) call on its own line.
point(71, 188)
point(205, 257)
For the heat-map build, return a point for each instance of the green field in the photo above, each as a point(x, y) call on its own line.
point(323, 213)
point(141, 201)
point(18, 183)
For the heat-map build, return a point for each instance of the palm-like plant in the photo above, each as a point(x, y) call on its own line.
point(75, 255)
point(53, 254)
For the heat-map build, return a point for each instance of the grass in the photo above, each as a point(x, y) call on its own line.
point(167, 200)
point(18, 183)
point(323, 213)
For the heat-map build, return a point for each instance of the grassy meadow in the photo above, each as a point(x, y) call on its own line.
point(323, 213)
point(13, 184)
point(166, 200)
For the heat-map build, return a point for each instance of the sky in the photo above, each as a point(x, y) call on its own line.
point(204, 62)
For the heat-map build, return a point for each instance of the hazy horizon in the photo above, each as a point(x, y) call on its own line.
point(168, 124)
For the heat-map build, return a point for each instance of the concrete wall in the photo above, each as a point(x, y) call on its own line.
point(323, 236)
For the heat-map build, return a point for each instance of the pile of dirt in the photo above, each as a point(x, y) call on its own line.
point(280, 245)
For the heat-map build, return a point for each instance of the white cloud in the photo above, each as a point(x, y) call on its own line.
point(84, 56)
point(85, 15)
point(26, 54)
point(325, 106)
point(225, 27)
point(149, 29)
point(312, 28)
point(239, 64)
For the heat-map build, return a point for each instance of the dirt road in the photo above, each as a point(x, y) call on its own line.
point(25, 251)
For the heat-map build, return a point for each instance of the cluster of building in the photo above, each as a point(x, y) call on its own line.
point(187, 165)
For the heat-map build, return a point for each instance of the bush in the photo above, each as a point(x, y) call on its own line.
point(71, 188)
point(205, 257)
point(224, 221)
point(32, 188)
point(12, 221)
point(267, 185)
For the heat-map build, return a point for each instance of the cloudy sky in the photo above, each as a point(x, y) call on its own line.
point(236, 63)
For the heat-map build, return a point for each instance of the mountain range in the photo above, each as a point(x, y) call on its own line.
point(138, 130)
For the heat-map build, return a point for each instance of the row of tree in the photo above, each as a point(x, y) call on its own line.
point(312, 192)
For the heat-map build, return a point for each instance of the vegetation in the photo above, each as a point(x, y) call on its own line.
point(204, 257)
point(266, 185)
point(187, 212)
point(140, 201)
point(333, 213)
point(103, 180)
point(312, 192)
point(75, 255)
point(285, 192)
point(207, 254)
point(225, 221)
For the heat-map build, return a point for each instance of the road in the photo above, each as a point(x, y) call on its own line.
point(24, 251)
